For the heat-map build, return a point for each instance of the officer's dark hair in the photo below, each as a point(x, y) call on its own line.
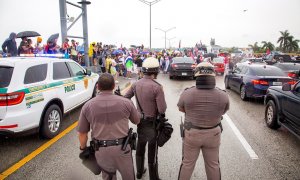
point(205, 82)
point(106, 82)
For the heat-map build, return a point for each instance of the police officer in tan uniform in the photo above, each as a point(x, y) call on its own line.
point(150, 102)
point(107, 116)
point(203, 106)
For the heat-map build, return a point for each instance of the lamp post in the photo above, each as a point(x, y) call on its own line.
point(169, 39)
point(165, 31)
point(150, 3)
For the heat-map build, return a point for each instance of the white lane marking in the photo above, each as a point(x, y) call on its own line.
point(238, 134)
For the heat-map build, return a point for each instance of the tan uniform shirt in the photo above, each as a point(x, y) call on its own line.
point(150, 95)
point(204, 107)
point(107, 115)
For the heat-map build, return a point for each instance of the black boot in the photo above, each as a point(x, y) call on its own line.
point(153, 172)
point(140, 170)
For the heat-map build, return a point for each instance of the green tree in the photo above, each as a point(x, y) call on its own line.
point(292, 44)
point(255, 47)
point(283, 40)
point(267, 45)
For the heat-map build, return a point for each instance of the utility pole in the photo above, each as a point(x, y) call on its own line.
point(150, 3)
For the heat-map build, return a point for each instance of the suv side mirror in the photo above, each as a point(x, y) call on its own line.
point(88, 72)
point(286, 87)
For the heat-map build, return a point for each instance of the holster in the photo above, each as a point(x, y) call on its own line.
point(130, 139)
point(133, 141)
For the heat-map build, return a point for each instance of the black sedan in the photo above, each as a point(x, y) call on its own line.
point(290, 69)
point(253, 80)
point(182, 67)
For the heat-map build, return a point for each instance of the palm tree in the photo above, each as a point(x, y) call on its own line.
point(255, 47)
point(267, 45)
point(283, 40)
point(292, 44)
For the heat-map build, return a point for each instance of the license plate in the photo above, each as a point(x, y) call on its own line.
point(277, 83)
point(184, 74)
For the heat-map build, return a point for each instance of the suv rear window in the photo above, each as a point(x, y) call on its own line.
point(261, 71)
point(35, 74)
point(5, 76)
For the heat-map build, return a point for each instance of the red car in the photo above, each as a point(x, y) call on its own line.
point(219, 65)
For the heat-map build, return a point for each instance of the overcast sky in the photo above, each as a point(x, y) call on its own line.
point(127, 21)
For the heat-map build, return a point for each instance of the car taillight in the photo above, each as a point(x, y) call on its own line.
point(11, 98)
point(174, 65)
point(260, 82)
point(292, 82)
point(292, 75)
point(194, 65)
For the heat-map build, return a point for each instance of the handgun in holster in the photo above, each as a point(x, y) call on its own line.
point(130, 139)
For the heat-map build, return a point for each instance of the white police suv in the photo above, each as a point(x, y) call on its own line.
point(35, 92)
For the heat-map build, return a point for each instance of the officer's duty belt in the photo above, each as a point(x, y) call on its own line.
point(189, 125)
point(106, 143)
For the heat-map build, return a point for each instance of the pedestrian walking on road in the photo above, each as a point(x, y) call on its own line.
point(151, 103)
point(106, 115)
point(9, 46)
point(203, 106)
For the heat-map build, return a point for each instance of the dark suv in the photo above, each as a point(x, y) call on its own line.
point(283, 107)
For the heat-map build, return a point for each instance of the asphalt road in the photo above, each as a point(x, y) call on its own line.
point(278, 151)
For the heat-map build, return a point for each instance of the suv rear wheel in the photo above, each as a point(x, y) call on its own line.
point(51, 121)
point(271, 115)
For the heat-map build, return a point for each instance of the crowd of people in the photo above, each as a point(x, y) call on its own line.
point(120, 61)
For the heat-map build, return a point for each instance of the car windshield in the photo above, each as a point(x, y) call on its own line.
point(5, 75)
point(256, 60)
point(283, 57)
point(261, 71)
point(289, 66)
point(183, 60)
point(218, 60)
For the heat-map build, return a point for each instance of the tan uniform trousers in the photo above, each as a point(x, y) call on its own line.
point(209, 142)
point(112, 159)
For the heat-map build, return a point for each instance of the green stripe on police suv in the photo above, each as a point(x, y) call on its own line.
point(70, 88)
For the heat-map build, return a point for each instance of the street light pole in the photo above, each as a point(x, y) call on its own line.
point(150, 3)
point(165, 31)
point(169, 39)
